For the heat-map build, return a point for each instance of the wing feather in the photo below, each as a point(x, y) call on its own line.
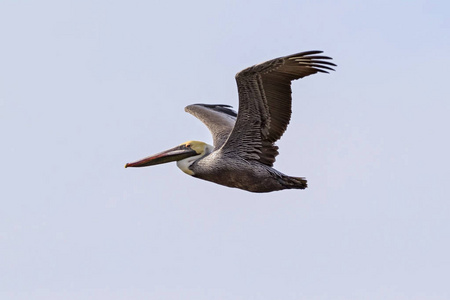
point(265, 103)
point(219, 119)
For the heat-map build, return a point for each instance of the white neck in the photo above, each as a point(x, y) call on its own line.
point(184, 164)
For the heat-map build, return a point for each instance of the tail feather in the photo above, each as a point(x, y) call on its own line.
point(294, 182)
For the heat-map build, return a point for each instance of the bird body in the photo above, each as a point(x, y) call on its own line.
point(244, 174)
point(244, 147)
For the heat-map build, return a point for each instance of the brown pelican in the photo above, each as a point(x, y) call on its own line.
point(244, 151)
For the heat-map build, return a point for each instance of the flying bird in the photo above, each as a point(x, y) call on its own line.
point(244, 149)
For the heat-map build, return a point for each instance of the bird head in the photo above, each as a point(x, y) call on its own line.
point(185, 155)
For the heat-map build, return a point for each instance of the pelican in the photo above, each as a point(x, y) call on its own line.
point(244, 149)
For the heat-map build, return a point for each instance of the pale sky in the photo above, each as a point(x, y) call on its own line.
point(87, 86)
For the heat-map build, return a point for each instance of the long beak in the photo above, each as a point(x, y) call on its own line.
point(174, 154)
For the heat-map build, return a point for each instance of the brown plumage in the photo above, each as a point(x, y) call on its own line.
point(244, 144)
point(265, 101)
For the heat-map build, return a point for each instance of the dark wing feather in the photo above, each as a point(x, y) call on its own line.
point(218, 118)
point(265, 103)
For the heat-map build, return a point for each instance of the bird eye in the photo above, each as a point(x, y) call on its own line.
point(188, 145)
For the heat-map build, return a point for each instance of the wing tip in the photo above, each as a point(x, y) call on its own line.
point(310, 59)
point(221, 108)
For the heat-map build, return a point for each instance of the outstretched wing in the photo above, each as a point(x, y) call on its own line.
point(218, 118)
point(265, 103)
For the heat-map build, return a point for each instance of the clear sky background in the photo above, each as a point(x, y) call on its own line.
point(86, 86)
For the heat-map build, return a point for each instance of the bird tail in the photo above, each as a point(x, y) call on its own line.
point(294, 182)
